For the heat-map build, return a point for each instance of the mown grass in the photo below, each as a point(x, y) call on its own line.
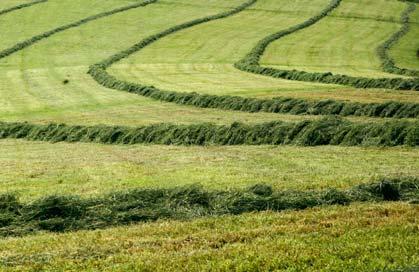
point(48, 83)
point(325, 131)
point(405, 52)
point(32, 86)
point(361, 237)
point(34, 169)
point(7, 4)
point(251, 62)
point(343, 42)
point(224, 79)
point(49, 15)
point(206, 65)
point(64, 213)
point(31, 81)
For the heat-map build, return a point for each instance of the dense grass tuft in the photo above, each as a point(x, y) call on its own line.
point(67, 213)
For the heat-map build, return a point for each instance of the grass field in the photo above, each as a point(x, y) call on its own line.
point(47, 82)
point(342, 42)
point(34, 169)
point(408, 46)
point(165, 65)
point(312, 240)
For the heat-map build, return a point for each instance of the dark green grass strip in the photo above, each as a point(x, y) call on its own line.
point(388, 63)
point(251, 63)
point(70, 213)
point(276, 105)
point(22, 45)
point(21, 6)
point(326, 131)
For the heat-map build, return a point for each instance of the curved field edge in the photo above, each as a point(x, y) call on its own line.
point(276, 105)
point(21, 6)
point(326, 131)
point(388, 63)
point(69, 213)
point(251, 63)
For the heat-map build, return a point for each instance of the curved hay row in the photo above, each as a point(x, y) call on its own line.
point(276, 105)
point(388, 63)
point(326, 131)
point(251, 63)
point(21, 6)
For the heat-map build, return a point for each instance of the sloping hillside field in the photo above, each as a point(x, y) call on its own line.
point(209, 135)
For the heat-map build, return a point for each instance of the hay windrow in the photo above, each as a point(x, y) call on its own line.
point(326, 131)
point(70, 213)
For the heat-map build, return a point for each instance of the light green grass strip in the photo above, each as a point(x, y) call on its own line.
point(21, 6)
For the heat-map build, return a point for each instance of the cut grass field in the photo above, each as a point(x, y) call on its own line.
point(405, 52)
point(33, 169)
point(32, 86)
point(47, 82)
point(41, 95)
point(165, 65)
point(342, 42)
point(373, 236)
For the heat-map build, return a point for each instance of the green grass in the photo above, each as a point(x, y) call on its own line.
point(319, 239)
point(189, 61)
point(405, 51)
point(359, 237)
point(6, 4)
point(31, 81)
point(33, 169)
point(343, 42)
point(31, 85)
